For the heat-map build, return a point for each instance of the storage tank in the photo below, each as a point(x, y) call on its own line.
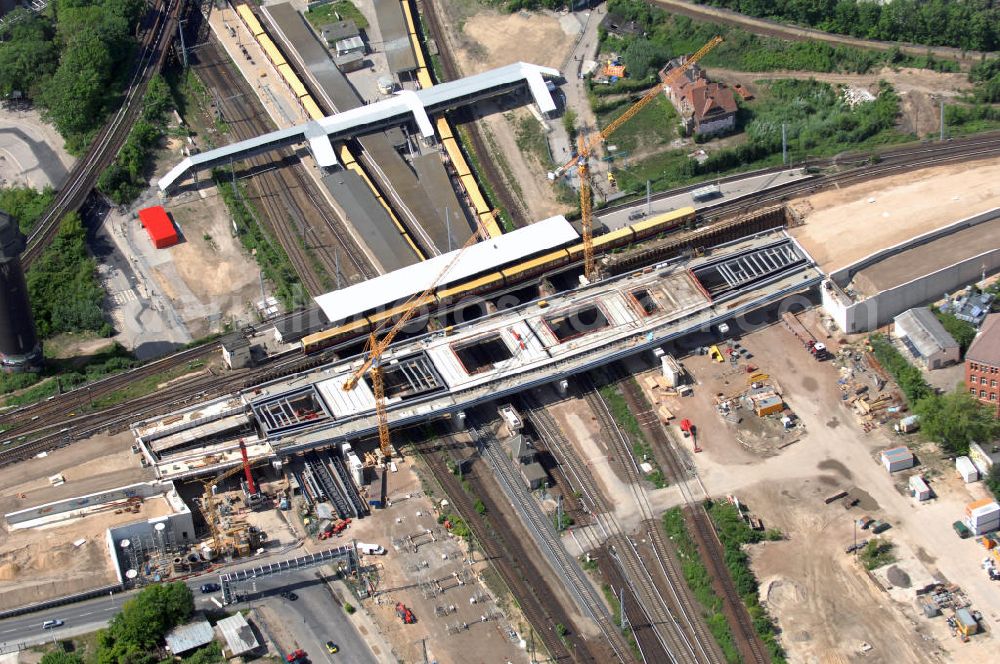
point(20, 350)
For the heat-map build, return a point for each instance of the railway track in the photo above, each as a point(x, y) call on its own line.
point(66, 402)
point(289, 199)
point(671, 641)
point(564, 565)
point(860, 167)
point(508, 556)
point(704, 647)
point(750, 645)
point(203, 385)
point(159, 26)
point(488, 168)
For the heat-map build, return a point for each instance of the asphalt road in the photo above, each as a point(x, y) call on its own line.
point(311, 620)
point(78, 618)
point(730, 191)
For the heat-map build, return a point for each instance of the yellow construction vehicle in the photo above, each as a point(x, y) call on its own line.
point(209, 507)
point(587, 147)
point(375, 347)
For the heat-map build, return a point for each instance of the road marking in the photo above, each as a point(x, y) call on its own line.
point(86, 614)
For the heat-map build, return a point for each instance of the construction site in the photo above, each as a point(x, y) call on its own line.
point(477, 429)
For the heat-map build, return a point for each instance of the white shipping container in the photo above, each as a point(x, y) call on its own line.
point(985, 520)
point(984, 524)
point(672, 371)
point(990, 510)
point(919, 488)
point(966, 469)
point(982, 529)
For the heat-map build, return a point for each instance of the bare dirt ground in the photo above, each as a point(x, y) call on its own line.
point(493, 39)
point(825, 605)
point(531, 185)
point(798, 574)
point(42, 563)
point(92, 465)
point(31, 151)
point(845, 225)
point(37, 564)
point(212, 263)
point(483, 39)
point(437, 563)
point(917, 89)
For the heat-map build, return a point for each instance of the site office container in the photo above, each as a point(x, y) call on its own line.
point(157, 223)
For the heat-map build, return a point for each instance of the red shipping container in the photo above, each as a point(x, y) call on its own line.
point(157, 223)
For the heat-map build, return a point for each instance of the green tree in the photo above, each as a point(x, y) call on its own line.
point(963, 332)
point(643, 57)
point(955, 420)
point(993, 480)
point(62, 284)
point(25, 204)
point(75, 96)
point(28, 52)
point(133, 634)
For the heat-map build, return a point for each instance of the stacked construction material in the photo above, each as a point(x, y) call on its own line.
point(982, 516)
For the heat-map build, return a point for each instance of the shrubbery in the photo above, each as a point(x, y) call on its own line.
point(72, 60)
point(673, 35)
point(817, 121)
point(971, 24)
point(125, 178)
point(271, 257)
point(25, 204)
point(700, 582)
point(734, 533)
point(65, 293)
point(954, 420)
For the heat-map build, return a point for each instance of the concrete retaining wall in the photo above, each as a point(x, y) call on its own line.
point(869, 314)
point(78, 505)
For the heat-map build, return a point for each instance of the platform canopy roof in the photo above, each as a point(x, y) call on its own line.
point(395, 110)
point(346, 303)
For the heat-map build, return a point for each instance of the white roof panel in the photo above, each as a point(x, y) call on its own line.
point(340, 305)
point(342, 403)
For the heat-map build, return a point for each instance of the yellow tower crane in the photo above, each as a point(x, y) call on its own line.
point(375, 347)
point(586, 147)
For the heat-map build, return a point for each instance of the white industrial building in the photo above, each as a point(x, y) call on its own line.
point(925, 338)
point(897, 458)
point(871, 292)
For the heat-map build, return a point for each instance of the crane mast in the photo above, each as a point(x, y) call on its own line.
point(588, 146)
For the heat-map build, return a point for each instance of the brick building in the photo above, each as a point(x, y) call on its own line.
point(982, 364)
point(706, 108)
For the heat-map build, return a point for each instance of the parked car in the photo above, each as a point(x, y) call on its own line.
point(290, 596)
point(210, 588)
point(51, 624)
point(332, 647)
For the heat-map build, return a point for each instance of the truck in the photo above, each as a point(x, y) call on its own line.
point(880, 527)
point(370, 549)
point(405, 614)
point(816, 349)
